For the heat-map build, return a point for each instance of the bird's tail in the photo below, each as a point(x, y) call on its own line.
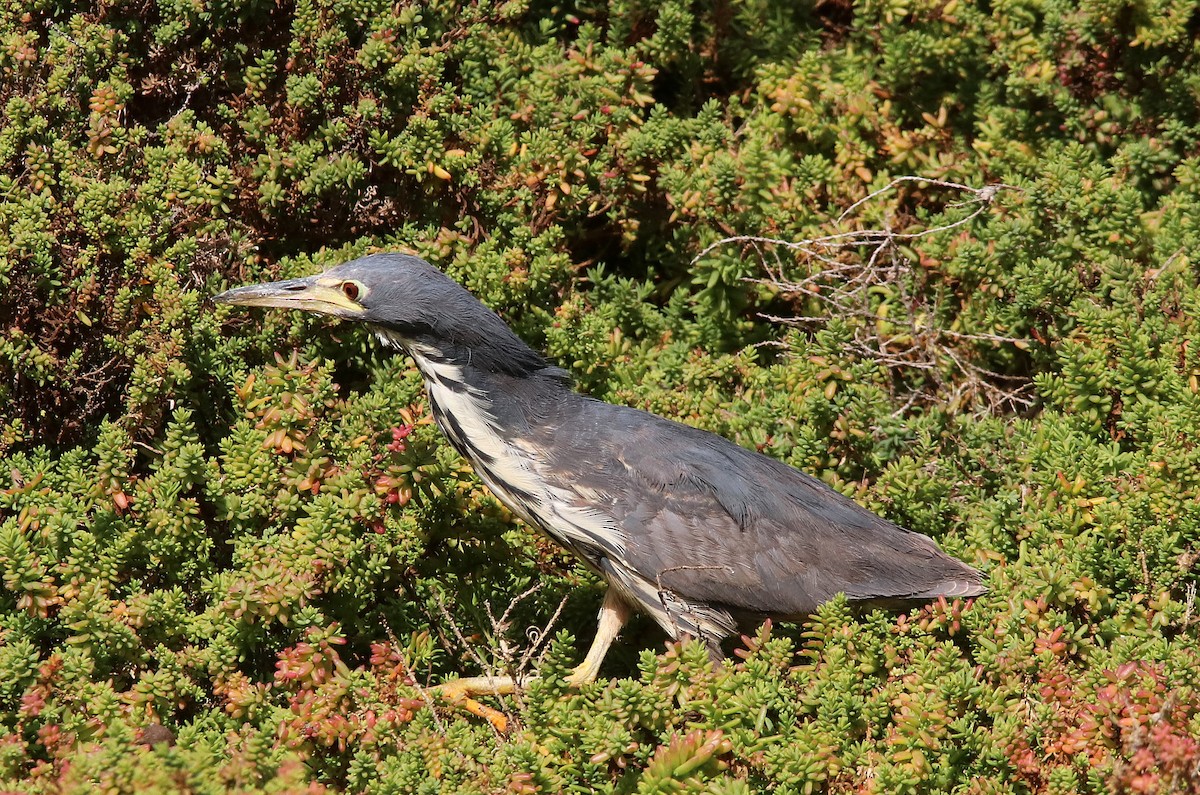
point(957, 588)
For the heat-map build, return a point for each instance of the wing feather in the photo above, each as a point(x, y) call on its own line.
point(717, 524)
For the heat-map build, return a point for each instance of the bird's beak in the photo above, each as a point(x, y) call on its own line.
point(310, 294)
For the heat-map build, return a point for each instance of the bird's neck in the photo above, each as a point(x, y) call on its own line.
point(497, 363)
point(484, 416)
point(476, 404)
point(500, 422)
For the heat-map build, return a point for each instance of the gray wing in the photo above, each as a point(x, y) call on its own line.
point(712, 524)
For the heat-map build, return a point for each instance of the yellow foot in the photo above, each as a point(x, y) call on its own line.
point(613, 614)
point(460, 692)
point(582, 674)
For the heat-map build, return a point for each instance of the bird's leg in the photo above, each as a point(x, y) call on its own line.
point(614, 612)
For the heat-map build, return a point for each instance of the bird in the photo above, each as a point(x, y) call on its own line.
point(706, 537)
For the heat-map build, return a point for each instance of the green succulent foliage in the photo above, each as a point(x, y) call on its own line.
point(234, 550)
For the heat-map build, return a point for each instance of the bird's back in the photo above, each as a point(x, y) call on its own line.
point(712, 522)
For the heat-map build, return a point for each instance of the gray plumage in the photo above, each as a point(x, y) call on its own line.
point(705, 536)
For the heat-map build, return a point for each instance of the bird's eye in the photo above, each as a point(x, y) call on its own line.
point(350, 289)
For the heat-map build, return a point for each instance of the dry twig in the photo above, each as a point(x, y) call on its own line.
point(840, 270)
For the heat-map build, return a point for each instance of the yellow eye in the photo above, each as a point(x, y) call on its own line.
point(350, 289)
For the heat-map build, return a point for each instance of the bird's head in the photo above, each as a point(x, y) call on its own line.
point(397, 291)
point(408, 302)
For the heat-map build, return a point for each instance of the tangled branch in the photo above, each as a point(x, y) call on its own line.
point(839, 270)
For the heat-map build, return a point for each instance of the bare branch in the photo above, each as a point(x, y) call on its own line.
point(538, 637)
point(984, 195)
point(839, 271)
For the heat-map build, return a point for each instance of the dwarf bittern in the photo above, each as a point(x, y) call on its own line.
point(706, 537)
